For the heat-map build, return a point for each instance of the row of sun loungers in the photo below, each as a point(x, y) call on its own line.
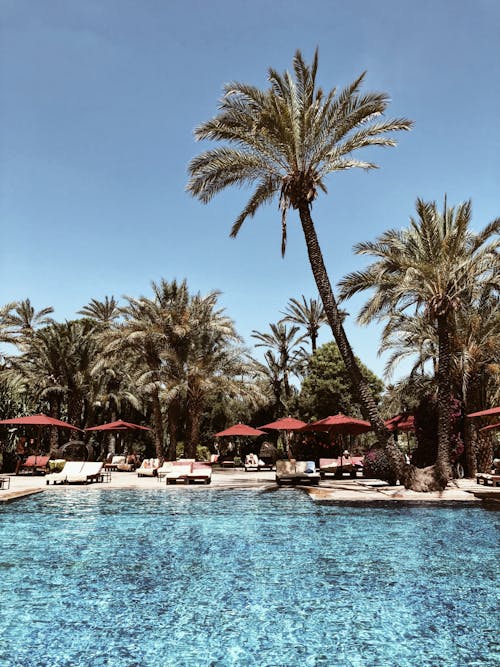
point(34, 464)
point(185, 471)
point(296, 472)
point(79, 472)
point(119, 463)
point(487, 479)
point(340, 466)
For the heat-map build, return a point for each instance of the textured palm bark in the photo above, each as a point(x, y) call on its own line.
point(173, 425)
point(158, 425)
point(194, 411)
point(360, 385)
point(443, 465)
point(54, 411)
point(470, 445)
point(484, 450)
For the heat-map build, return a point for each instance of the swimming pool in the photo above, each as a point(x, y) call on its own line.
point(201, 577)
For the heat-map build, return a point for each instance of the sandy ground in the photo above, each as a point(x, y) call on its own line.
point(346, 490)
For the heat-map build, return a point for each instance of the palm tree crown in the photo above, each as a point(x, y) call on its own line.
point(309, 314)
point(430, 265)
point(288, 138)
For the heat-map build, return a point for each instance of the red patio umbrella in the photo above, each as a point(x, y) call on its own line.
point(119, 425)
point(486, 413)
point(39, 420)
point(491, 427)
point(400, 423)
point(239, 429)
point(285, 424)
point(339, 424)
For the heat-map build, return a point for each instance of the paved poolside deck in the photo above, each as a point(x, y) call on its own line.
point(330, 490)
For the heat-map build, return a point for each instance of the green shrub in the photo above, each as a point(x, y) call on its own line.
point(56, 465)
point(202, 453)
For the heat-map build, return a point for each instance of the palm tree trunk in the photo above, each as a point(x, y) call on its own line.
point(470, 449)
point(194, 410)
point(484, 450)
point(443, 465)
point(158, 425)
point(360, 385)
point(173, 425)
point(54, 411)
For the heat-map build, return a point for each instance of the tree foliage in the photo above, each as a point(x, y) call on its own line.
point(327, 389)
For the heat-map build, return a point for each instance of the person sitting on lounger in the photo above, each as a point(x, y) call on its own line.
point(252, 460)
point(133, 460)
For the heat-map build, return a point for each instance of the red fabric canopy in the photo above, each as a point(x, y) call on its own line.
point(285, 424)
point(119, 425)
point(38, 420)
point(239, 429)
point(486, 413)
point(491, 427)
point(339, 424)
point(400, 423)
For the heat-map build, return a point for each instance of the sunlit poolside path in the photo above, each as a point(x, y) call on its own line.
point(346, 490)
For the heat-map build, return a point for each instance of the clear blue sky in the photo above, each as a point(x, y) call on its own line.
point(99, 99)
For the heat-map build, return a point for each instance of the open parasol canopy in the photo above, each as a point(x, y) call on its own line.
point(339, 424)
point(239, 429)
point(490, 427)
point(119, 425)
point(285, 424)
point(403, 423)
point(39, 420)
point(486, 413)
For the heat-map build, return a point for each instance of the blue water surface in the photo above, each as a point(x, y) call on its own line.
point(219, 578)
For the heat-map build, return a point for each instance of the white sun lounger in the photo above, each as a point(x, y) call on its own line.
point(90, 472)
point(70, 468)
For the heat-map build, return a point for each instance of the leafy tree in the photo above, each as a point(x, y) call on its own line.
point(327, 390)
point(285, 140)
point(428, 268)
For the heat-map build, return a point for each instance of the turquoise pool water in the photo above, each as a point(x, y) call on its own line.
point(201, 577)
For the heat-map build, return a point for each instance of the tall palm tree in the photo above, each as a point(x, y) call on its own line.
point(214, 362)
point(55, 367)
point(141, 339)
point(285, 342)
point(285, 140)
point(272, 375)
point(429, 268)
point(308, 314)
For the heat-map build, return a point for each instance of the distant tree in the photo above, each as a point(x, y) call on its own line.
point(285, 341)
point(308, 314)
point(105, 312)
point(21, 318)
point(327, 389)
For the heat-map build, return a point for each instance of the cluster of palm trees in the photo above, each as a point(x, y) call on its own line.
point(157, 357)
point(284, 141)
point(434, 285)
